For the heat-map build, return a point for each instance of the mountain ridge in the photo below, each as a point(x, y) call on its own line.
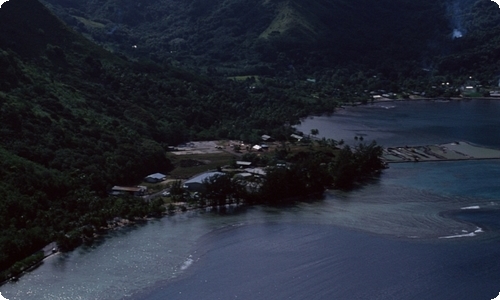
point(241, 37)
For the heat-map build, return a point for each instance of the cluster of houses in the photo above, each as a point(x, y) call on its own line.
point(196, 183)
point(256, 147)
point(245, 171)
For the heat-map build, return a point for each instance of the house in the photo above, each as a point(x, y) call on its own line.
point(257, 147)
point(256, 171)
point(128, 190)
point(154, 178)
point(196, 184)
point(243, 164)
point(266, 138)
point(243, 175)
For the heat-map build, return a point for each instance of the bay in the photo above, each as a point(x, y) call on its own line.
point(420, 230)
point(413, 123)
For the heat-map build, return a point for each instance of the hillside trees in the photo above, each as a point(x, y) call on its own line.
point(309, 173)
point(220, 188)
point(78, 120)
point(352, 166)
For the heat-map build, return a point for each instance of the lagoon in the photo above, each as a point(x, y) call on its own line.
point(411, 123)
point(418, 231)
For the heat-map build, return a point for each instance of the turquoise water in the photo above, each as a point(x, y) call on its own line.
point(419, 231)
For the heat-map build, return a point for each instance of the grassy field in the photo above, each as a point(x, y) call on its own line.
point(187, 166)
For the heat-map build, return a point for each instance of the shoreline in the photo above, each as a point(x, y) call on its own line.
point(48, 251)
point(407, 156)
point(345, 105)
point(456, 151)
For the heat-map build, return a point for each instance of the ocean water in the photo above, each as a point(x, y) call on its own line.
point(413, 123)
point(283, 261)
point(419, 231)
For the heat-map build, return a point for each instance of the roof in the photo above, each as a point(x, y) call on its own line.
point(244, 175)
point(243, 163)
point(127, 188)
point(157, 176)
point(256, 171)
point(200, 178)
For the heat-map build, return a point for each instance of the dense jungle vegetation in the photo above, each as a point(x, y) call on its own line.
point(366, 45)
point(77, 119)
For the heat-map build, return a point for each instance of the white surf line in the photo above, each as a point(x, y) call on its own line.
point(187, 263)
point(471, 234)
point(472, 207)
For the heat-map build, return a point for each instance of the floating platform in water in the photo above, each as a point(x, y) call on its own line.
point(442, 152)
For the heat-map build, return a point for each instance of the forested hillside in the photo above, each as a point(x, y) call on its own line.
point(241, 36)
point(478, 51)
point(411, 44)
point(77, 119)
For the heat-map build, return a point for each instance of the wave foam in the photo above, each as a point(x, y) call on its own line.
point(470, 234)
point(471, 207)
point(186, 264)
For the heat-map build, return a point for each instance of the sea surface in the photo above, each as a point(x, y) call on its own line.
point(413, 123)
point(419, 231)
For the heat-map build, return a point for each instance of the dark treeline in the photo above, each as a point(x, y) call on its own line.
point(305, 175)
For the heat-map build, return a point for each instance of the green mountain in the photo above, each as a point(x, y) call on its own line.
point(265, 37)
point(77, 119)
point(61, 145)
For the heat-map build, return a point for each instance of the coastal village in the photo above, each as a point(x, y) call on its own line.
point(198, 161)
